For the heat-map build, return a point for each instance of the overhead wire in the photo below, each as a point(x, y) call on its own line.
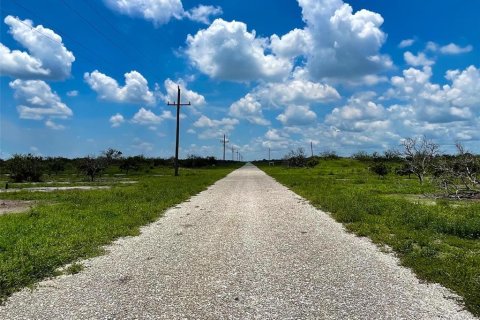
point(97, 30)
point(113, 27)
point(105, 36)
point(64, 35)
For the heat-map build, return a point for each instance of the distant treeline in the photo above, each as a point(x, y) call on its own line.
point(31, 168)
point(457, 175)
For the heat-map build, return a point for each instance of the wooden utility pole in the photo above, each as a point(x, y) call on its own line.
point(311, 147)
point(178, 104)
point(233, 151)
point(268, 154)
point(224, 141)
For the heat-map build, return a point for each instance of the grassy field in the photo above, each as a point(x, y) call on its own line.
point(438, 239)
point(66, 226)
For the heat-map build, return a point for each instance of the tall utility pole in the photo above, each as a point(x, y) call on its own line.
point(237, 155)
point(178, 104)
point(233, 151)
point(224, 141)
point(311, 147)
point(268, 154)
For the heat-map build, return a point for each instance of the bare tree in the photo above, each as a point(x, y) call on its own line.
point(392, 154)
point(420, 154)
point(92, 166)
point(296, 158)
point(468, 168)
point(459, 176)
point(111, 155)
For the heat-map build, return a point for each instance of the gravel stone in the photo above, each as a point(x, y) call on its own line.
point(246, 248)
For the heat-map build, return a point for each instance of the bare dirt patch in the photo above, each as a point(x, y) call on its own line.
point(12, 206)
point(50, 189)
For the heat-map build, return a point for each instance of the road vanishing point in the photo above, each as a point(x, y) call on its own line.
point(246, 248)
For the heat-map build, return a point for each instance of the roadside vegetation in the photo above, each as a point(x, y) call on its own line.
point(428, 215)
point(67, 226)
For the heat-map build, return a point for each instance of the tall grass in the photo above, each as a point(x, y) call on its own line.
point(439, 240)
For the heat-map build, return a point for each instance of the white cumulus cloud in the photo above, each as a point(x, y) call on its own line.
point(47, 57)
point(359, 114)
point(37, 102)
point(148, 118)
point(435, 104)
point(294, 43)
point(276, 135)
point(20, 64)
point(297, 116)
point(206, 122)
point(228, 51)
point(274, 139)
point(336, 43)
point(449, 49)
point(171, 87)
point(157, 11)
point(116, 120)
point(344, 43)
point(203, 13)
point(250, 109)
point(406, 43)
point(291, 93)
point(214, 128)
point(135, 89)
point(465, 88)
point(417, 60)
point(54, 126)
point(296, 91)
point(452, 48)
point(160, 12)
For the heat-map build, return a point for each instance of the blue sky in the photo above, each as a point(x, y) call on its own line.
point(78, 77)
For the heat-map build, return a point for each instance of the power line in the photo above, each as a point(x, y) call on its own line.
point(63, 35)
point(126, 53)
point(106, 20)
point(37, 31)
point(97, 30)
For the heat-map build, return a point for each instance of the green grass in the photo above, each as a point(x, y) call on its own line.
point(74, 268)
point(68, 226)
point(438, 239)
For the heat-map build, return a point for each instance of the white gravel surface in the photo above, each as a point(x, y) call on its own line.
point(246, 248)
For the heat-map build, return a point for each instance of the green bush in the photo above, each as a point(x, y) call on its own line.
point(312, 162)
point(296, 158)
point(25, 167)
point(380, 169)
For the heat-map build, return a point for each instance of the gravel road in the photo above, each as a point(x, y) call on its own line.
point(246, 248)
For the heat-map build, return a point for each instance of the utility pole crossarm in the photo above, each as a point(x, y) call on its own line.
point(224, 141)
point(178, 104)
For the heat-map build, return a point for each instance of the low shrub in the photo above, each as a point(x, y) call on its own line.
point(25, 167)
